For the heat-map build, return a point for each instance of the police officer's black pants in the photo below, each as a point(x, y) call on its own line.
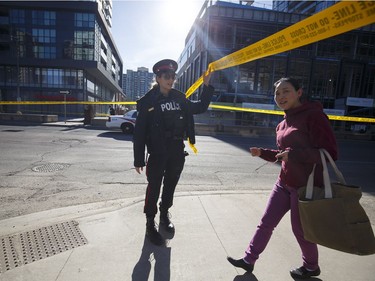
point(163, 168)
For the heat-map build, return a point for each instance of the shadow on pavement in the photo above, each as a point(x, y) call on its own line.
point(311, 279)
point(245, 277)
point(245, 143)
point(116, 136)
point(161, 256)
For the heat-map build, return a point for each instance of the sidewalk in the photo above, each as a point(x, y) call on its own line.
point(209, 226)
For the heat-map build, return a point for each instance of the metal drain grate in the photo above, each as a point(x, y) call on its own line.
point(50, 167)
point(8, 255)
point(30, 246)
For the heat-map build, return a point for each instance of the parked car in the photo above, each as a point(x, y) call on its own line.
point(124, 122)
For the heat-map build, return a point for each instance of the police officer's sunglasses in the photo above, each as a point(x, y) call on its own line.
point(168, 76)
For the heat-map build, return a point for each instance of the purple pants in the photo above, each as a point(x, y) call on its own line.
point(282, 199)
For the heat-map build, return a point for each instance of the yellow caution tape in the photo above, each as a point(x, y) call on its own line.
point(351, 119)
point(214, 106)
point(279, 112)
point(192, 146)
point(65, 102)
point(255, 110)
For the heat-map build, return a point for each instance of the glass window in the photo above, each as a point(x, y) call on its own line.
point(248, 14)
point(69, 78)
point(37, 76)
point(243, 37)
point(272, 16)
point(351, 80)
point(222, 35)
point(338, 46)
point(43, 18)
point(299, 68)
point(44, 35)
point(8, 74)
point(295, 18)
point(2, 75)
point(84, 20)
point(84, 38)
point(229, 12)
point(258, 15)
point(90, 86)
point(287, 18)
point(17, 16)
point(52, 77)
point(80, 79)
point(84, 42)
point(222, 11)
point(366, 43)
point(246, 75)
point(214, 11)
point(265, 81)
point(44, 52)
point(238, 13)
point(11, 75)
point(369, 83)
point(324, 82)
point(279, 68)
point(18, 42)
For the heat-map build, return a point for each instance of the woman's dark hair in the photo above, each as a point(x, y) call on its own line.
point(292, 81)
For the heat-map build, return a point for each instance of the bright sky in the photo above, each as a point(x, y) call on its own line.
point(146, 31)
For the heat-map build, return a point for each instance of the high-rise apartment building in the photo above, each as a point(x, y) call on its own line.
point(137, 83)
point(52, 46)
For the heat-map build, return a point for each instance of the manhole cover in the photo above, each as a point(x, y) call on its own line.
point(50, 167)
point(69, 140)
point(27, 247)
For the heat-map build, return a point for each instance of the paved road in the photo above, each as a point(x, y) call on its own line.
point(46, 167)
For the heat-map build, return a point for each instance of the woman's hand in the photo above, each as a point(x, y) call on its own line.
point(207, 77)
point(282, 156)
point(255, 151)
point(139, 169)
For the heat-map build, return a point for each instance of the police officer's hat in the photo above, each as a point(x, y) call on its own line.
point(165, 66)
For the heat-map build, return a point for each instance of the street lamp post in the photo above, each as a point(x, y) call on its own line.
point(67, 92)
point(18, 74)
point(15, 38)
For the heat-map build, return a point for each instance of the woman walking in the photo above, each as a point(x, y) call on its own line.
point(304, 130)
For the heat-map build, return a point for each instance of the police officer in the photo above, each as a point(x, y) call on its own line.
point(165, 119)
point(111, 110)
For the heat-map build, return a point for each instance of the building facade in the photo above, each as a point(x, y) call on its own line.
point(50, 47)
point(301, 7)
point(339, 71)
point(137, 83)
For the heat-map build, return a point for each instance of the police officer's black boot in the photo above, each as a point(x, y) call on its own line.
point(152, 233)
point(165, 221)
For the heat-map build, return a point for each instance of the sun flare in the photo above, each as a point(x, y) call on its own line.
point(180, 13)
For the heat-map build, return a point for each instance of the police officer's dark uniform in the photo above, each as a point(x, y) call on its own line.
point(163, 122)
point(111, 111)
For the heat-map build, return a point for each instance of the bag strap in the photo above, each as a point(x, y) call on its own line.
point(310, 184)
point(339, 176)
point(326, 178)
